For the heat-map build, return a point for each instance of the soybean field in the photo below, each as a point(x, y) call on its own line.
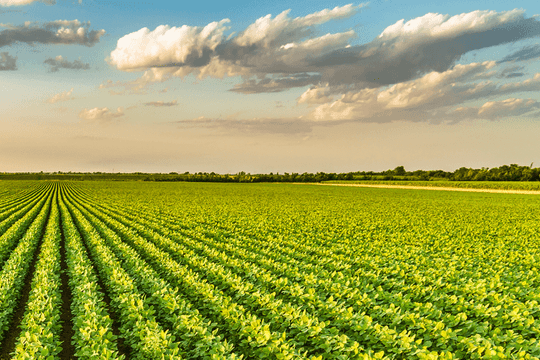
point(140, 270)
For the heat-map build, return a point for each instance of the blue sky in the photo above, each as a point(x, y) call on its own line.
point(243, 86)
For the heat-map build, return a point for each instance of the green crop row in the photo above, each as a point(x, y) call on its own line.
point(16, 225)
point(40, 328)
point(138, 324)
point(197, 336)
point(14, 270)
point(441, 335)
point(231, 271)
point(503, 317)
point(93, 335)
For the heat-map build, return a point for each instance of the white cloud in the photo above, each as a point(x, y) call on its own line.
point(278, 48)
point(63, 96)
point(294, 53)
point(160, 74)
point(166, 46)
point(430, 93)
point(498, 109)
point(508, 105)
point(443, 26)
point(179, 51)
point(24, 2)
point(409, 71)
point(268, 32)
point(102, 115)
point(316, 95)
point(433, 90)
point(53, 32)
point(433, 42)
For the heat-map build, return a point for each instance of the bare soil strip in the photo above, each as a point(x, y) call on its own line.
point(500, 191)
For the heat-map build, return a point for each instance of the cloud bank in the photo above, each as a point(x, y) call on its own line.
point(428, 97)
point(59, 62)
point(409, 71)
point(67, 32)
point(499, 109)
point(269, 45)
point(279, 53)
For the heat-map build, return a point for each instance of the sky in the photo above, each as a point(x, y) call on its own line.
point(260, 87)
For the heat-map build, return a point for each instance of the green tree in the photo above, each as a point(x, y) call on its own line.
point(400, 171)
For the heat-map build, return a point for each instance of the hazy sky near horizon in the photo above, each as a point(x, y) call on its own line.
point(282, 86)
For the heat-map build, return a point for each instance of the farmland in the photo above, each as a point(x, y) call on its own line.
point(489, 185)
point(272, 271)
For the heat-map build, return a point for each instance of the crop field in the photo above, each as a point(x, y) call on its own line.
point(132, 270)
point(492, 185)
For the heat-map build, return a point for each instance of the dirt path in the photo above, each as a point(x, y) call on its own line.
point(500, 191)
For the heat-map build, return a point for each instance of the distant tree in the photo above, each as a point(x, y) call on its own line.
point(400, 171)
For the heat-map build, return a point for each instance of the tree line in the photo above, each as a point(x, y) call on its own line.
point(512, 172)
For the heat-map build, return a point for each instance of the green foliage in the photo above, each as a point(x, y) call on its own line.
point(92, 325)
point(511, 172)
point(487, 185)
point(230, 271)
point(16, 266)
point(40, 326)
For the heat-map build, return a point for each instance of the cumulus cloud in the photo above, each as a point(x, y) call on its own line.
point(272, 51)
point(420, 98)
point(192, 46)
point(166, 46)
point(63, 96)
point(267, 32)
point(161, 103)
point(101, 115)
point(68, 32)
point(499, 109)
point(316, 95)
point(205, 51)
point(7, 62)
point(425, 91)
point(433, 42)
point(24, 2)
point(409, 71)
point(59, 62)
